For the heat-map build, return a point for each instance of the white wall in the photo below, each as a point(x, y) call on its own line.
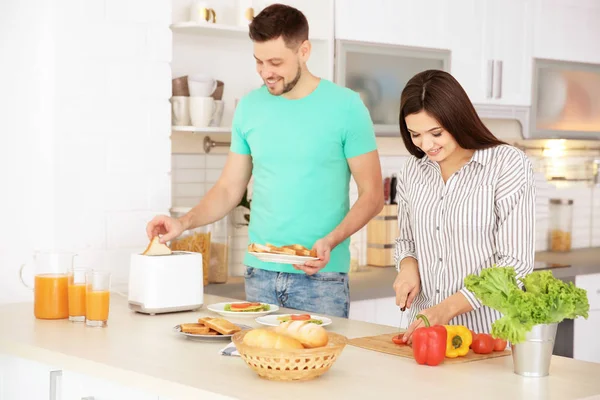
point(26, 132)
point(86, 87)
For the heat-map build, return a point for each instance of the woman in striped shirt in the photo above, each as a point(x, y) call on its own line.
point(466, 201)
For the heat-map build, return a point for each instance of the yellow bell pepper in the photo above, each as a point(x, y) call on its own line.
point(458, 341)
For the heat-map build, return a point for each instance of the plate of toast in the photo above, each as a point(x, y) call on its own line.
point(287, 254)
point(209, 329)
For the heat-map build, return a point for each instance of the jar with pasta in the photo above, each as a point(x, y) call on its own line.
point(213, 241)
point(194, 240)
point(561, 224)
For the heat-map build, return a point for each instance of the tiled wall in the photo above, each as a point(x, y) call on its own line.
point(105, 128)
point(113, 121)
point(194, 174)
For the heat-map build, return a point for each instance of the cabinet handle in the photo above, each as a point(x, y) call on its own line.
point(88, 398)
point(498, 88)
point(54, 385)
point(490, 88)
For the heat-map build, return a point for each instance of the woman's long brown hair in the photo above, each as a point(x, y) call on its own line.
point(441, 96)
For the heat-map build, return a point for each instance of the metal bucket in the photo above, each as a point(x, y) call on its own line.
point(532, 357)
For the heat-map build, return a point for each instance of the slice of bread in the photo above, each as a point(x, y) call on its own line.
point(155, 248)
point(222, 326)
point(202, 321)
point(280, 250)
point(195, 329)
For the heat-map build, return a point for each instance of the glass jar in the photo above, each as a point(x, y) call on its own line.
point(220, 240)
point(561, 224)
point(212, 241)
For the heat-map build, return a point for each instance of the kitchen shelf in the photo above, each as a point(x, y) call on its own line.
point(210, 129)
point(210, 29)
point(215, 29)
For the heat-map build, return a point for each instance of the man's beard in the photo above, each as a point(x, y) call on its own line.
point(287, 87)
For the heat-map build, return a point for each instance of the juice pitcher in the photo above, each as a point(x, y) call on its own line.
point(50, 284)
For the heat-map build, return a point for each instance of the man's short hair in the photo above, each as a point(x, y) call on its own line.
point(280, 20)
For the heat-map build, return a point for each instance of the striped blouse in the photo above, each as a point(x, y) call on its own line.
point(483, 215)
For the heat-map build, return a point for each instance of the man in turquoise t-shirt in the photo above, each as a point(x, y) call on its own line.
point(301, 137)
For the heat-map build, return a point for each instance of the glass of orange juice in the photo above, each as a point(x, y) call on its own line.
point(97, 298)
point(77, 289)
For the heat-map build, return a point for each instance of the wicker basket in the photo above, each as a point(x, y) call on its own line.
point(292, 365)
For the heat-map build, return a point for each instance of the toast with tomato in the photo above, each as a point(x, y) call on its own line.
point(246, 307)
point(299, 317)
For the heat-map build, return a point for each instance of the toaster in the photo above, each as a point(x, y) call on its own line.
point(166, 283)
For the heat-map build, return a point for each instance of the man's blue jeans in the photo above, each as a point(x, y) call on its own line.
point(325, 293)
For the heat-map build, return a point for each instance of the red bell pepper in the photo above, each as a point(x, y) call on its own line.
point(429, 343)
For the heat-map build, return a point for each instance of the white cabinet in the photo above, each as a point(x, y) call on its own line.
point(586, 346)
point(78, 386)
point(24, 379)
point(585, 337)
point(379, 72)
point(383, 311)
point(509, 26)
point(491, 43)
point(567, 30)
point(408, 23)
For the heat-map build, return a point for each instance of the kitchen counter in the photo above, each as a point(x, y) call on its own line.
point(375, 283)
point(572, 263)
point(143, 352)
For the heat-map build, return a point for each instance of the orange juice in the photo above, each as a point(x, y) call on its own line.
point(97, 304)
point(51, 296)
point(77, 300)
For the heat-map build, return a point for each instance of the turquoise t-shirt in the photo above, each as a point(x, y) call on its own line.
point(299, 152)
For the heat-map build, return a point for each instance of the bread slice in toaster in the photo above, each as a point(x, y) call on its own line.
point(222, 326)
point(155, 248)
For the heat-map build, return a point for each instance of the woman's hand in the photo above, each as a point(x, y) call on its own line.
point(408, 283)
point(437, 315)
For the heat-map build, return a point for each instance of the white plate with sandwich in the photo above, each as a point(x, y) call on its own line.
point(276, 320)
point(243, 309)
point(288, 254)
point(209, 329)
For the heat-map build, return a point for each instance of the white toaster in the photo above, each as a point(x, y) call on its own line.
point(166, 283)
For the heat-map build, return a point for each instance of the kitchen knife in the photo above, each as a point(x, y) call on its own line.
point(393, 190)
point(386, 190)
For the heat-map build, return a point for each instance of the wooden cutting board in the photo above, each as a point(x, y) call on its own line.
point(384, 344)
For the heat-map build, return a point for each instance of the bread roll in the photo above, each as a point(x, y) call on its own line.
point(309, 334)
point(267, 339)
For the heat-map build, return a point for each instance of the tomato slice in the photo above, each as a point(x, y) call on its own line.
point(244, 305)
point(300, 317)
point(398, 339)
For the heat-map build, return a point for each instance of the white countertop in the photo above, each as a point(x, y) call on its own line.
point(142, 351)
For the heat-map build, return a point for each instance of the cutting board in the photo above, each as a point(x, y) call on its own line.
point(384, 344)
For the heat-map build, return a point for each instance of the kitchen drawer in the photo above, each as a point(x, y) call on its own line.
point(591, 283)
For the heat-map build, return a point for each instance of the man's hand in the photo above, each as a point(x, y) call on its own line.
point(437, 315)
point(168, 227)
point(323, 247)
